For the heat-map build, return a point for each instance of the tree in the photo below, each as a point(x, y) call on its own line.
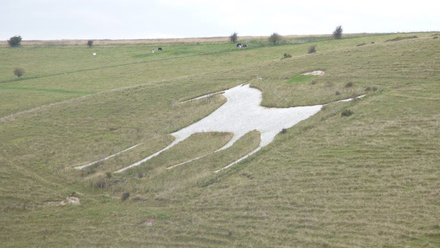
point(14, 41)
point(233, 38)
point(275, 38)
point(18, 72)
point(337, 34)
point(90, 43)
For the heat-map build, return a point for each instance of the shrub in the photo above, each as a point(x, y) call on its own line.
point(101, 183)
point(125, 196)
point(274, 38)
point(349, 85)
point(90, 43)
point(312, 49)
point(337, 34)
point(371, 89)
point(18, 72)
point(14, 41)
point(286, 55)
point(346, 113)
point(233, 38)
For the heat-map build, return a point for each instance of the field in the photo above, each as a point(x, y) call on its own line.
point(370, 178)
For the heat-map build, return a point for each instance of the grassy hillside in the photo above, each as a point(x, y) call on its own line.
point(371, 179)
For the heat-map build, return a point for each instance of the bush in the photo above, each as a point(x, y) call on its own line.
point(346, 113)
point(337, 34)
point(274, 38)
point(286, 55)
point(233, 38)
point(349, 85)
point(14, 41)
point(312, 49)
point(125, 196)
point(100, 183)
point(18, 72)
point(90, 43)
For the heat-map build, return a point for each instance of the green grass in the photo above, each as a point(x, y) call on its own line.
point(370, 179)
point(300, 79)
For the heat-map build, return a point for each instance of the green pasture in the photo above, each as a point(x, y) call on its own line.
point(370, 179)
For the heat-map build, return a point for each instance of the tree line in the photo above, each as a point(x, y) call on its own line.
point(275, 37)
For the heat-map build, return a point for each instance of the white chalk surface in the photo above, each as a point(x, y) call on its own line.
point(241, 114)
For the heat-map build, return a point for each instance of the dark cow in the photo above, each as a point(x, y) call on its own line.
point(159, 49)
point(239, 45)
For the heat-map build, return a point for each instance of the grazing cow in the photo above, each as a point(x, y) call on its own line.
point(152, 50)
point(159, 49)
point(244, 46)
point(239, 45)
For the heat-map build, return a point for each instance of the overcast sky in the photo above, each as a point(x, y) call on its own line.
point(139, 19)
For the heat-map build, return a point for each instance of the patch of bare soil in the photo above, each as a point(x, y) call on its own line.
point(148, 222)
point(70, 200)
point(314, 73)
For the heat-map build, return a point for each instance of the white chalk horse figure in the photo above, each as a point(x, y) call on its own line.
point(240, 114)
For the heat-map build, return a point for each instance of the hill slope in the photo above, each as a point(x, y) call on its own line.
point(370, 179)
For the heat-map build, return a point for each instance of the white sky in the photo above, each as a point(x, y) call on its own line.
point(138, 19)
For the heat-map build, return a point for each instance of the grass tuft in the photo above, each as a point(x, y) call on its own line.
point(349, 85)
point(125, 196)
point(346, 113)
